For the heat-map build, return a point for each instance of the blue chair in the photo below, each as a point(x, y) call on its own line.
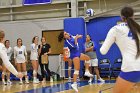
point(105, 67)
point(116, 67)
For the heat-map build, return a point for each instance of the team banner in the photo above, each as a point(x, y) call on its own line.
point(34, 2)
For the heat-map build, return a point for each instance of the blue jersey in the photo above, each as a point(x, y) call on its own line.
point(74, 48)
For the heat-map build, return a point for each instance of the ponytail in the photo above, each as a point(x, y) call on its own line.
point(135, 29)
point(61, 36)
point(127, 14)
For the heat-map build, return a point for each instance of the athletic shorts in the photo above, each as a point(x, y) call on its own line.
point(93, 62)
point(73, 55)
point(133, 76)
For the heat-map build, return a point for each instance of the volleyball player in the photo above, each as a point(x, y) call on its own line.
point(5, 58)
point(34, 58)
point(20, 56)
point(6, 72)
point(75, 55)
point(126, 36)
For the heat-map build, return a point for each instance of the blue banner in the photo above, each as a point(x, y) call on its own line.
point(34, 2)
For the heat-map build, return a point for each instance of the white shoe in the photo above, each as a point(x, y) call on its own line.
point(90, 80)
point(101, 80)
point(4, 83)
point(88, 74)
point(9, 82)
point(35, 81)
point(20, 82)
point(27, 81)
point(74, 86)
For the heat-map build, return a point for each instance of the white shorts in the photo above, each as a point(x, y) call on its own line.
point(34, 56)
point(20, 61)
point(93, 62)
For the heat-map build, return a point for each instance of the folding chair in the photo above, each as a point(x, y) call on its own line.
point(116, 67)
point(105, 67)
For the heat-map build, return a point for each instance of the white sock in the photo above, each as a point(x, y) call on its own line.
point(35, 78)
point(87, 70)
point(3, 80)
point(20, 79)
point(8, 80)
point(26, 78)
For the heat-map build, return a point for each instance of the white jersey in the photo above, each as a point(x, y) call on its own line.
point(9, 52)
point(19, 54)
point(122, 36)
point(6, 61)
point(34, 52)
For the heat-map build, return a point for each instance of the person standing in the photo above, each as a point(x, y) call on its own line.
point(5, 71)
point(20, 56)
point(44, 49)
point(34, 58)
point(92, 54)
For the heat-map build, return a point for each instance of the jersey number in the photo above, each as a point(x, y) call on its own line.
point(130, 35)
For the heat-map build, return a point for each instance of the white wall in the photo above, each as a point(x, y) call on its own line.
point(27, 30)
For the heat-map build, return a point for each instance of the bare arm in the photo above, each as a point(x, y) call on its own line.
point(25, 52)
point(89, 49)
point(15, 55)
point(49, 51)
point(77, 37)
point(39, 50)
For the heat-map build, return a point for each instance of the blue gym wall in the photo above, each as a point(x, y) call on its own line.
point(97, 28)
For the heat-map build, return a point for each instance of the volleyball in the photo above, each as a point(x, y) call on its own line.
point(90, 12)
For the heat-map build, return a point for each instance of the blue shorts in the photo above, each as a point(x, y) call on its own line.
point(133, 76)
point(73, 55)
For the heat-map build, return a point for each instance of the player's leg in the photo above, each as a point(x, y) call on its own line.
point(25, 72)
point(87, 62)
point(76, 62)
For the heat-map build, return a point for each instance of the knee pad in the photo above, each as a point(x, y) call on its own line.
point(24, 73)
point(4, 73)
point(34, 72)
point(87, 61)
point(69, 68)
point(76, 72)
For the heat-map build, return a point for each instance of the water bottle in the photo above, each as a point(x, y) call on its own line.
point(51, 79)
point(55, 77)
point(95, 78)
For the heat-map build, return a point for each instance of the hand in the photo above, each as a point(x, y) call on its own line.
point(92, 47)
point(78, 36)
point(45, 53)
point(20, 75)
